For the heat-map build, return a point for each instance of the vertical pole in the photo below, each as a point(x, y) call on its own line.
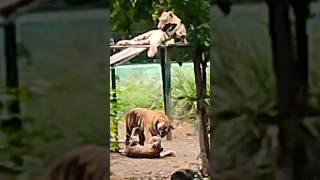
point(14, 122)
point(166, 82)
point(114, 95)
point(113, 83)
point(12, 81)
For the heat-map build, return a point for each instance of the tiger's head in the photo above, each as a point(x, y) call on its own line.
point(164, 128)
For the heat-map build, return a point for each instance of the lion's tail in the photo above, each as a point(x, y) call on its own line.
point(167, 153)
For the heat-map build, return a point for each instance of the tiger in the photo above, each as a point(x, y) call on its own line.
point(151, 122)
point(152, 148)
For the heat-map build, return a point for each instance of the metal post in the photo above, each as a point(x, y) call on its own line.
point(114, 94)
point(166, 83)
point(113, 84)
point(12, 81)
point(14, 122)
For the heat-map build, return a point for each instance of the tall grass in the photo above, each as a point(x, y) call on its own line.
point(184, 94)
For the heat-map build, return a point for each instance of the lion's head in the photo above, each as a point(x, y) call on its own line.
point(168, 18)
point(172, 24)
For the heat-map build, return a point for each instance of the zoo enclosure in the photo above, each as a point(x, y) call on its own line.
point(165, 62)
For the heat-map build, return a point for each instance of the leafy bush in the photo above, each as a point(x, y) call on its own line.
point(184, 95)
point(19, 140)
point(243, 74)
point(116, 109)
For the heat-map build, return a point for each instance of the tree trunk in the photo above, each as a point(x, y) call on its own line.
point(299, 154)
point(301, 11)
point(292, 81)
point(282, 53)
point(202, 115)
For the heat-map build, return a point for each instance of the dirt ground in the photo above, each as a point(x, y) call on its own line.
point(184, 143)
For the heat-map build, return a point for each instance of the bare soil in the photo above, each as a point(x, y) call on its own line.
point(184, 143)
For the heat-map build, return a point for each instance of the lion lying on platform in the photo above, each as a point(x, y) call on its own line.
point(170, 28)
point(151, 149)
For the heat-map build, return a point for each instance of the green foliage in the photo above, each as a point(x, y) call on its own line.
point(19, 143)
point(126, 14)
point(114, 146)
point(194, 14)
point(184, 95)
point(243, 80)
point(116, 108)
point(18, 140)
point(141, 91)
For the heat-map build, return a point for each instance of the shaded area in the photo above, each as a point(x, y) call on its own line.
point(265, 124)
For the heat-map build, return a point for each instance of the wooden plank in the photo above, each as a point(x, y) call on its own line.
point(125, 55)
point(146, 46)
point(166, 83)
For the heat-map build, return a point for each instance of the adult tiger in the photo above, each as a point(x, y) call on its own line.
point(152, 123)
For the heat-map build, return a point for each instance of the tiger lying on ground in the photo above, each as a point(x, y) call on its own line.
point(151, 122)
point(170, 28)
point(151, 149)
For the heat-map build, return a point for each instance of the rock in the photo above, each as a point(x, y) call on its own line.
point(185, 174)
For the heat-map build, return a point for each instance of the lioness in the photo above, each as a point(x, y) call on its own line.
point(178, 29)
point(152, 148)
point(170, 28)
point(153, 38)
point(151, 122)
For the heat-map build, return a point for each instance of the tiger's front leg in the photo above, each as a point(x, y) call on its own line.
point(142, 139)
point(147, 136)
point(128, 135)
